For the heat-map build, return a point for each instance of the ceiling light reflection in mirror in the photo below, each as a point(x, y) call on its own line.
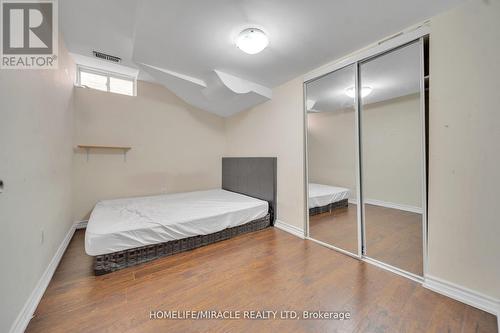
point(365, 91)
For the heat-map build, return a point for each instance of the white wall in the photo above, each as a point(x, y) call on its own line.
point(275, 128)
point(36, 129)
point(392, 151)
point(175, 147)
point(464, 244)
point(392, 155)
point(331, 142)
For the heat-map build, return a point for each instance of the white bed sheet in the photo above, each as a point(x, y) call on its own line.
point(321, 195)
point(121, 224)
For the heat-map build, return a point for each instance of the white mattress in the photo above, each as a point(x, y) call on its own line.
point(322, 195)
point(121, 224)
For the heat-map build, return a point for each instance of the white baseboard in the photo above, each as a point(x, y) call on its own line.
point(29, 307)
point(289, 228)
point(462, 294)
point(81, 224)
point(408, 208)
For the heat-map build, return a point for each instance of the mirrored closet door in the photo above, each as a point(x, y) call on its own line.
point(392, 157)
point(366, 158)
point(332, 141)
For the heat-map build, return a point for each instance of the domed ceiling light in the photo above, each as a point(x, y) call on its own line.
point(365, 91)
point(252, 41)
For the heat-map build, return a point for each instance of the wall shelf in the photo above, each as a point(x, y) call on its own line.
point(89, 147)
point(103, 147)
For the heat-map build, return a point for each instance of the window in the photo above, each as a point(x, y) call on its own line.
point(94, 81)
point(106, 81)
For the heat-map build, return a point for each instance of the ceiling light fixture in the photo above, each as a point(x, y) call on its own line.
point(365, 91)
point(310, 104)
point(252, 41)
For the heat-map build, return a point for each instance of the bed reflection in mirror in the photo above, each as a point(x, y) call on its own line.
point(332, 149)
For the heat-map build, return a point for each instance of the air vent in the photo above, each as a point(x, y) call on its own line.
point(105, 56)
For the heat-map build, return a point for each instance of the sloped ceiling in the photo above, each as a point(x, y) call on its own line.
point(188, 45)
point(222, 93)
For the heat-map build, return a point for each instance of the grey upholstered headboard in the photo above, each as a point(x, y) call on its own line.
point(252, 176)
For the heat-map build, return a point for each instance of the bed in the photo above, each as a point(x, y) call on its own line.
point(129, 231)
point(325, 198)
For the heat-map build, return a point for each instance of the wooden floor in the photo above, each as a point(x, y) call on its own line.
point(392, 236)
point(266, 270)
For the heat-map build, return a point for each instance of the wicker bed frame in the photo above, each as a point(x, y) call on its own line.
point(328, 208)
point(252, 176)
point(111, 262)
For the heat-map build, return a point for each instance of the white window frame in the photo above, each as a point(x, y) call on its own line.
point(108, 75)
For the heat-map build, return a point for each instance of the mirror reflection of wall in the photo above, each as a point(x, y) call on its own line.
point(331, 141)
point(392, 158)
point(332, 149)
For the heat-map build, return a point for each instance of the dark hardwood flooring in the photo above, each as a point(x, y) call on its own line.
point(392, 236)
point(266, 270)
point(338, 228)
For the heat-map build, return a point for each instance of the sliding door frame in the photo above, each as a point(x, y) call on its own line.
point(359, 247)
point(366, 257)
point(423, 120)
point(359, 164)
point(415, 34)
